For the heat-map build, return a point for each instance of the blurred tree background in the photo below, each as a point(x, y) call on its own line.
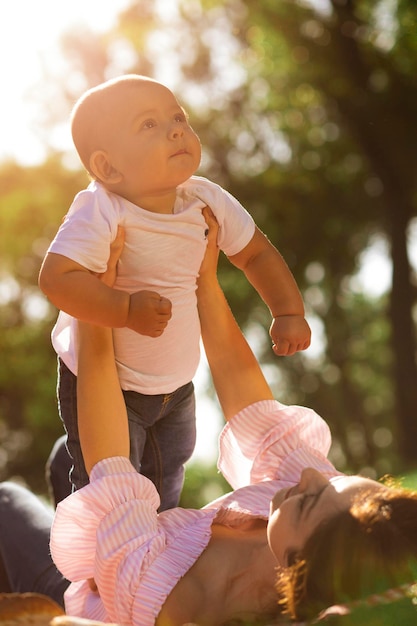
point(306, 112)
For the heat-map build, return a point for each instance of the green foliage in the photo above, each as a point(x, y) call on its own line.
point(202, 484)
point(32, 204)
point(400, 613)
point(315, 141)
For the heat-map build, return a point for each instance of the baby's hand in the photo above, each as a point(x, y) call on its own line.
point(289, 334)
point(149, 313)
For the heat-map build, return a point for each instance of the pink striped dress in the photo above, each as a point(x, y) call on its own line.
point(110, 530)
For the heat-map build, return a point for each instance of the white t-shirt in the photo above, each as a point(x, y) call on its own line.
point(162, 253)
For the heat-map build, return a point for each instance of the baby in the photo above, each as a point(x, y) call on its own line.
point(135, 141)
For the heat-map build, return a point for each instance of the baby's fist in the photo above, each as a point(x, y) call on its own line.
point(149, 313)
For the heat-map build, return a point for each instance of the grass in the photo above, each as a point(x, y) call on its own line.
point(409, 480)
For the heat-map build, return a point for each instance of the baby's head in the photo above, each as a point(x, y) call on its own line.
point(133, 136)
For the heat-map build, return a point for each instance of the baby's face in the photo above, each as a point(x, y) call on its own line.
point(150, 143)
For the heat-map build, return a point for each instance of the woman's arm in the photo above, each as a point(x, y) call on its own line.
point(237, 377)
point(102, 417)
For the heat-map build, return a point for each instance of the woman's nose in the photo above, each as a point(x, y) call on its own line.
point(311, 480)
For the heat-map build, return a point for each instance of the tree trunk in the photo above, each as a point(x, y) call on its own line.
point(403, 335)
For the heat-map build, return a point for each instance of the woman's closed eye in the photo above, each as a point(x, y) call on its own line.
point(308, 500)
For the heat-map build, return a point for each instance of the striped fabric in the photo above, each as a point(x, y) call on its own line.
point(110, 531)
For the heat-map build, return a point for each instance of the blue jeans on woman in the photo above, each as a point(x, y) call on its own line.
point(162, 430)
point(25, 561)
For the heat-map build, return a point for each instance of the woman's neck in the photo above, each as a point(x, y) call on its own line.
point(233, 578)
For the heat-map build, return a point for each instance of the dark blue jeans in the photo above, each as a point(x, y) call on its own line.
point(25, 562)
point(162, 431)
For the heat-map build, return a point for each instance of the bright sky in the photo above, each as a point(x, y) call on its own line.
point(29, 31)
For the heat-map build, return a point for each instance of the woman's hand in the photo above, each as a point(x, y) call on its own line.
point(208, 266)
point(116, 247)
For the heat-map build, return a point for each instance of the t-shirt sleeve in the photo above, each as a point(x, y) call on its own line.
point(88, 229)
point(236, 225)
point(269, 440)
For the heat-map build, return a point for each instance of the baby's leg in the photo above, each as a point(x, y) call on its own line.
point(162, 433)
point(57, 471)
point(67, 400)
point(170, 442)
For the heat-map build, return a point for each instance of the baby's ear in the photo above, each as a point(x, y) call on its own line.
point(102, 169)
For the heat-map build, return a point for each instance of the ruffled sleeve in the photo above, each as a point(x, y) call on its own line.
point(110, 531)
point(98, 526)
point(114, 483)
point(269, 440)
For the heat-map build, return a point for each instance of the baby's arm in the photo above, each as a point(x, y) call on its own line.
point(75, 290)
point(267, 271)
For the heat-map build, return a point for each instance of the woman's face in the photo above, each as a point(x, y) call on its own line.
point(297, 511)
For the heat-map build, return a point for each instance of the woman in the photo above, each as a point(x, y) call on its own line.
point(251, 554)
